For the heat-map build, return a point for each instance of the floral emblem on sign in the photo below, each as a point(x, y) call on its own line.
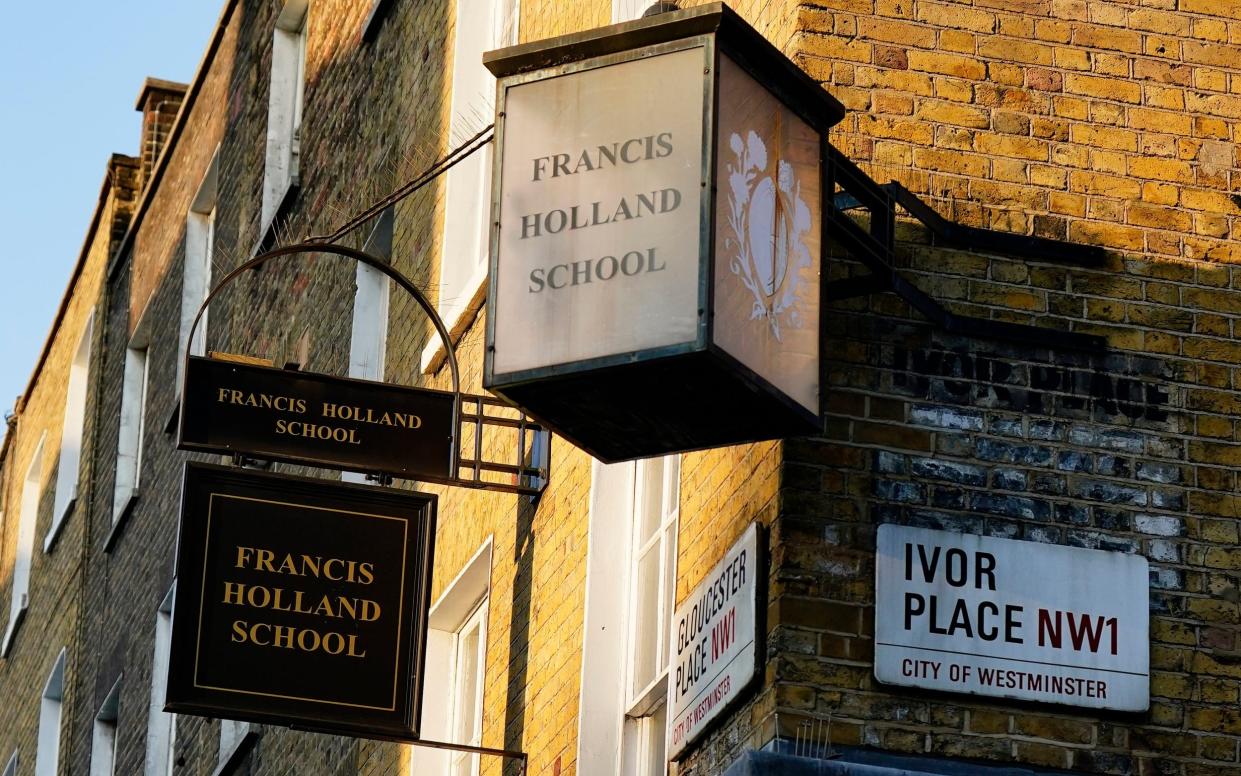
point(768, 219)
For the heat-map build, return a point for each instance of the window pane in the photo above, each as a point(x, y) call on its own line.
point(650, 495)
point(653, 729)
point(646, 621)
point(467, 685)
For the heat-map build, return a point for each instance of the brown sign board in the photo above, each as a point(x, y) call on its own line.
point(321, 420)
point(301, 602)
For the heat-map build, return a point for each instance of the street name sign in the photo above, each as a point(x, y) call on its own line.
point(1012, 619)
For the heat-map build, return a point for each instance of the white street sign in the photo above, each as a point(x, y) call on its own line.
point(713, 643)
point(986, 616)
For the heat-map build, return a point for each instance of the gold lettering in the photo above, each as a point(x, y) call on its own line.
point(258, 596)
point(324, 609)
point(353, 644)
point(365, 573)
point(254, 629)
point(327, 569)
point(239, 631)
point(288, 563)
point(243, 556)
point(222, 394)
point(263, 561)
point(301, 640)
point(311, 563)
point(233, 590)
point(340, 642)
point(283, 637)
point(368, 611)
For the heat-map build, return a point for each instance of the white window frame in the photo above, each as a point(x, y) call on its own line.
point(199, 260)
point(69, 469)
point(27, 518)
point(161, 725)
point(51, 706)
point(10, 768)
point(462, 605)
point(467, 189)
point(622, 728)
point(129, 440)
point(285, 108)
point(103, 735)
point(232, 734)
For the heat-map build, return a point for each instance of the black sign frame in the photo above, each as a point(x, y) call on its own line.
point(359, 703)
point(210, 425)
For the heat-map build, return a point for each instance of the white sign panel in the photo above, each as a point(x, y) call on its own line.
point(600, 211)
point(767, 239)
point(986, 616)
point(713, 643)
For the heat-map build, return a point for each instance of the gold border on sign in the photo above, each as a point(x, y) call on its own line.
point(400, 616)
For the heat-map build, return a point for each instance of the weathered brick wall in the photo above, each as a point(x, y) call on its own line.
point(52, 619)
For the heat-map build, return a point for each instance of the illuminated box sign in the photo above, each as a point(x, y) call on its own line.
point(1025, 620)
point(300, 602)
point(657, 235)
point(714, 643)
point(302, 417)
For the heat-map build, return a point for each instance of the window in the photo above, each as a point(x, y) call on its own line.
point(196, 274)
point(456, 661)
point(481, 25)
point(623, 720)
point(469, 652)
point(103, 739)
point(71, 434)
point(369, 336)
point(47, 756)
point(232, 736)
point(10, 768)
point(161, 726)
point(284, 110)
point(32, 490)
point(133, 422)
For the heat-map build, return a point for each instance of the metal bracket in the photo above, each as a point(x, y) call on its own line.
point(876, 248)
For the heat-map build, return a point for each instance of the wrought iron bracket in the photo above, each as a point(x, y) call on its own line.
point(479, 423)
point(849, 188)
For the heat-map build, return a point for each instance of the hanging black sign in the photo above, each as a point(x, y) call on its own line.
point(302, 417)
point(301, 602)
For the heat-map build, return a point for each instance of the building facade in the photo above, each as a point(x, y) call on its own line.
point(1105, 124)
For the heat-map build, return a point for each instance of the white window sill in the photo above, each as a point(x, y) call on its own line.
point(53, 533)
point(15, 624)
point(120, 519)
point(435, 354)
point(267, 234)
point(230, 760)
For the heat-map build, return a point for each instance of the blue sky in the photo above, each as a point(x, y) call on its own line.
point(69, 76)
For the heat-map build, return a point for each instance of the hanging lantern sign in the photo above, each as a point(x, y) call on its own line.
point(656, 242)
